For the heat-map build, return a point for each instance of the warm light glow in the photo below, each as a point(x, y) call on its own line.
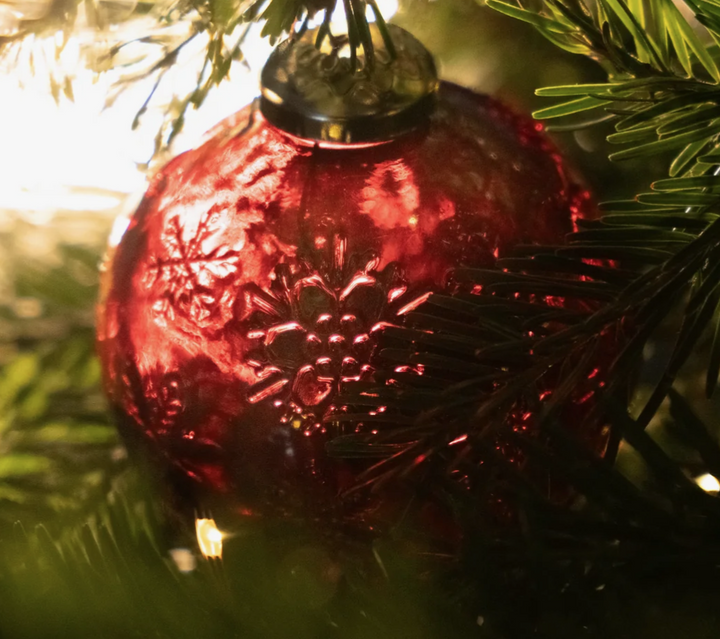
point(118, 230)
point(209, 538)
point(63, 152)
point(183, 558)
point(708, 483)
point(69, 152)
point(458, 440)
point(338, 23)
point(61, 155)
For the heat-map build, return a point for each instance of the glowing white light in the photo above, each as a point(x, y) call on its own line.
point(183, 559)
point(63, 156)
point(708, 483)
point(76, 154)
point(70, 153)
point(120, 225)
point(338, 24)
point(209, 537)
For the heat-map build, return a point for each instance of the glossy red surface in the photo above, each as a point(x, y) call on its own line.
point(250, 284)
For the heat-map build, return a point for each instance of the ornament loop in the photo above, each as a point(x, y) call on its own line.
point(315, 94)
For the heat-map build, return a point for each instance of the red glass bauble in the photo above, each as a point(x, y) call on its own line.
point(253, 279)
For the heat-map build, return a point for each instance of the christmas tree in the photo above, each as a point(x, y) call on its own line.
point(505, 429)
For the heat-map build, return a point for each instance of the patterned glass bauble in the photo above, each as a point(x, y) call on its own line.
point(253, 280)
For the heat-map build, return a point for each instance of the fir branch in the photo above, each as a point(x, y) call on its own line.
point(662, 91)
point(59, 450)
point(222, 26)
point(113, 577)
point(553, 355)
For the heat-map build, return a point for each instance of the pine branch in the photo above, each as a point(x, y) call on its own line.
point(59, 451)
point(113, 577)
point(460, 415)
point(219, 26)
point(662, 91)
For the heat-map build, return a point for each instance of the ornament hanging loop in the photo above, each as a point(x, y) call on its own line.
point(385, 88)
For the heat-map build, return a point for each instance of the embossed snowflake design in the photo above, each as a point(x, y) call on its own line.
point(195, 270)
point(313, 332)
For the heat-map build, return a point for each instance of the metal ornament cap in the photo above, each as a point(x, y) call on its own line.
point(315, 95)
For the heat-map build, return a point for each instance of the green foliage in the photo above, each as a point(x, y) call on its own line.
point(56, 439)
point(648, 266)
point(663, 98)
point(112, 577)
point(662, 93)
point(634, 38)
point(629, 555)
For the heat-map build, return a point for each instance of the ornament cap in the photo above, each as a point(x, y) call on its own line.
point(316, 94)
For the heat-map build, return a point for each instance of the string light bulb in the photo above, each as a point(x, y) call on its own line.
point(708, 483)
point(209, 538)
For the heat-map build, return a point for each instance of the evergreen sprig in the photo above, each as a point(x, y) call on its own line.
point(648, 263)
point(633, 38)
point(59, 452)
point(112, 576)
point(662, 92)
point(663, 97)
